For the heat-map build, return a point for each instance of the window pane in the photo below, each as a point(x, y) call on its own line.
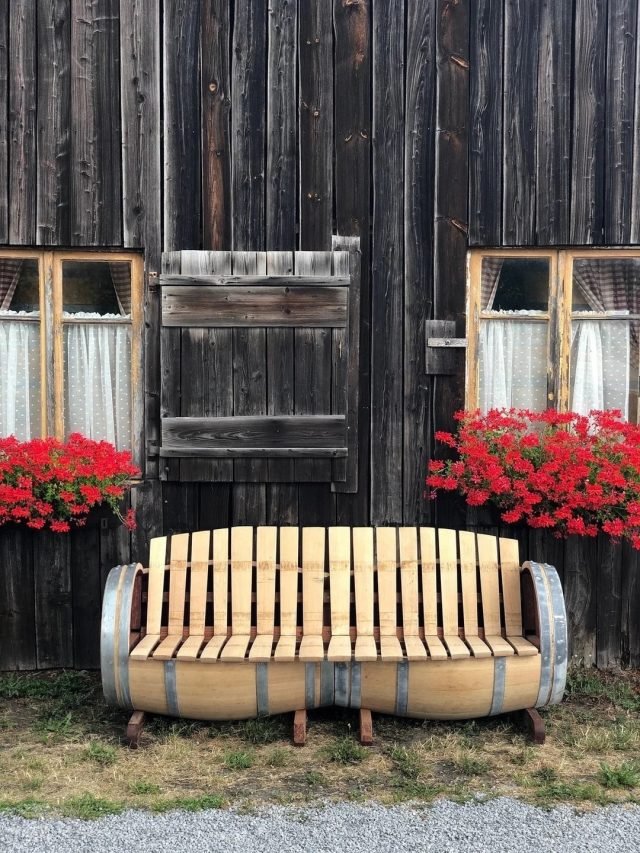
point(97, 366)
point(513, 365)
point(515, 284)
point(604, 366)
point(19, 284)
point(96, 287)
point(606, 284)
point(19, 379)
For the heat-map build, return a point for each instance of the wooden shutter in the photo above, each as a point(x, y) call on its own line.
point(259, 356)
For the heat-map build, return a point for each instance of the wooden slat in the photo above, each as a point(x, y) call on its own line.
point(96, 188)
point(488, 559)
point(339, 369)
point(449, 593)
point(215, 99)
point(200, 542)
point(363, 572)
point(54, 99)
point(273, 280)
point(430, 593)
point(286, 648)
point(22, 121)
point(313, 556)
point(388, 262)
point(241, 570)
point(181, 37)
point(155, 591)
point(259, 435)
point(171, 374)
point(510, 576)
point(266, 543)
point(409, 584)
point(220, 593)
point(386, 568)
point(468, 574)
point(589, 96)
point(177, 587)
point(485, 124)
point(339, 592)
point(233, 307)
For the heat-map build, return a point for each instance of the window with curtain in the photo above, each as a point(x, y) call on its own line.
point(551, 328)
point(70, 327)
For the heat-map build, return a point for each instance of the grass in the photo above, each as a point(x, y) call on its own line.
point(64, 752)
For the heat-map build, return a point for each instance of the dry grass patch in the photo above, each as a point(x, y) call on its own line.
point(63, 750)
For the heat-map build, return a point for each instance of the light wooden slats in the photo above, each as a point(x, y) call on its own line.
point(339, 586)
point(468, 575)
point(449, 593)
point(488, 559)
point(205, 306)
point(266, 543)
point(386, 564)
point(313, 552)
point(430, 593)
point(220, 594)
point(157, 562)
point(289, 549)
point(177, 589)
point(409, 586)
point(510, 575)
point(197, 595)
point(241, 569)
point(363, 585)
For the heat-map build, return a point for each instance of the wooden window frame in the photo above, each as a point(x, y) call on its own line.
point(559, 315)
point(51, 322)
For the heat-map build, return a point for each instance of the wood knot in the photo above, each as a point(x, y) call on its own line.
point(213, 87)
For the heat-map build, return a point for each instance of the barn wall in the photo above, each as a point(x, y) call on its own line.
point(422, 128)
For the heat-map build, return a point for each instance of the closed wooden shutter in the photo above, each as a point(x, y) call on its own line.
point(259, 362)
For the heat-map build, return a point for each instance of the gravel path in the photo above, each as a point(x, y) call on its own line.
point(499, 826)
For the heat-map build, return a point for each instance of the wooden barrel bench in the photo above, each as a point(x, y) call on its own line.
point(232, 624)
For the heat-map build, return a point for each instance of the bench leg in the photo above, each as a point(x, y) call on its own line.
point(366, 727)
point(134, 728)
point(534, 725)
point(300, 727)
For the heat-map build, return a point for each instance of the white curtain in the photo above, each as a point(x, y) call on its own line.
point(97, 381)
point(513, 365)
point(600, 366)
point(19, 378)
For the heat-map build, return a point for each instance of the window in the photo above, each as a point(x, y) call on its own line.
point(70, 348)
point(551, 328)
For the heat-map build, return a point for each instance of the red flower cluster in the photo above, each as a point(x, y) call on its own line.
point(566, 472)
point(48, 483)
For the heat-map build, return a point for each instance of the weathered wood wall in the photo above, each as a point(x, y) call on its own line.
point(422, 128)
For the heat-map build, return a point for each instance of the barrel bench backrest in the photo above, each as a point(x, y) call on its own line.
point(312, 581)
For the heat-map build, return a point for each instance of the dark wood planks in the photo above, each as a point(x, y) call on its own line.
point(86, 595)
point(521, 29)
point(53, 601)
point(316, 124)
point(387, 263)
point(4, 123)
point(620, 103)
point(580, 591)
point(419, 159)
point(207, 370)
point(485, 123)
point(451, 193)
point(22, 122)
point(281, 129)
point(215, 37)
point(53, 120)
point(96, 182)
point(170, 370)
point(553, 162)
point(588, 122)
point(17, 601)
point(181, 103)
point(609, 603)
point(352, 152)
point(248, 108)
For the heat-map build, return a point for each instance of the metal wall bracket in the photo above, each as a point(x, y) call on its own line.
point(442, 348)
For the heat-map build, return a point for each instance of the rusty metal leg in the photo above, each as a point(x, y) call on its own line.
point(300, 727)
point(366, 727)
point(534, 725)
point(134, 728)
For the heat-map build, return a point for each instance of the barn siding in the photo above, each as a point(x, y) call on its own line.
point(422, 128)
